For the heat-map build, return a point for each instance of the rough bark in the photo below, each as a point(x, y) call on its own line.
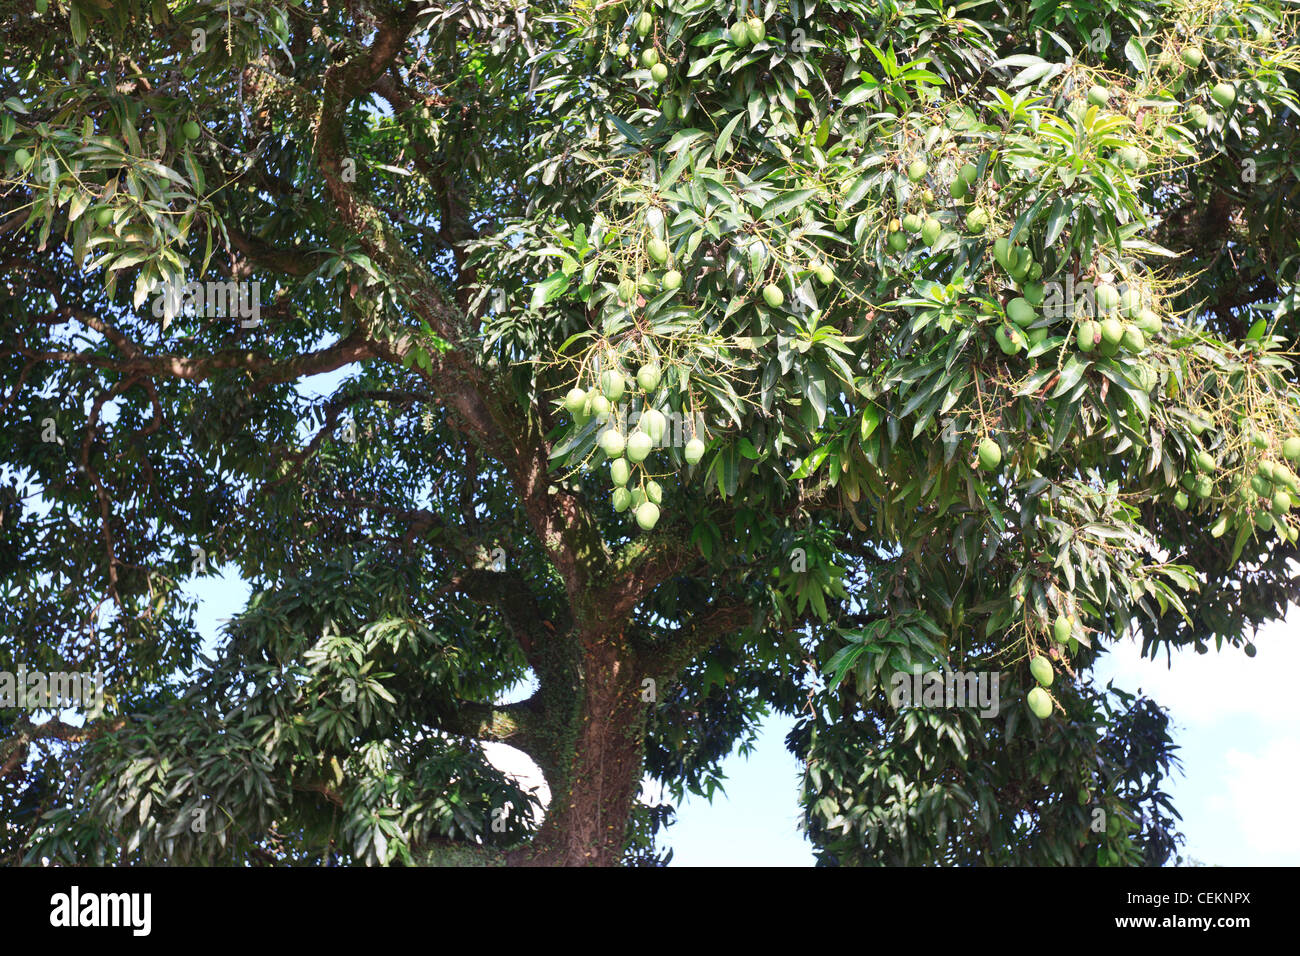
point(593, 756)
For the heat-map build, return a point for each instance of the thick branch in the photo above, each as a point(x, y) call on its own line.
point(503, 723)
point(267, 371)
point(567, 531)
point(14, 750)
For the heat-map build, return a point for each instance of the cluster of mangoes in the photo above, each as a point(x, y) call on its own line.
point(1114, 321)
point(1266, 497)
point(1018, 332)
point(627, 451)
point(1040, 701)
point(743, 33)
point(1223, 92)
point(1040, 667)
point(920, 222)
point(643, 26)
point(1122, 321)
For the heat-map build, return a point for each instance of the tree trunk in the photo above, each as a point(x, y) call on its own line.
point(597, 755)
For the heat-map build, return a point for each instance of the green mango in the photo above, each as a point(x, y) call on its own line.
point(1002, 252)
point(611, 383)
point(1010, 339)
point(1131, 157)
point(1225, 94)
point(1087, 335)
point(989, 454)
point(654, 423)
point(620, 472)
point(1021, 312)
point(1040, 702)
point(647, 515)
point(612, 443)
point(1149, 322)
point(1061, 628)
point(647, 377)
point(1112, 332)
point(639, 446)
point(1107, 298)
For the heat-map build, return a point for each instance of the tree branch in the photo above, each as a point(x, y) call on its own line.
point(268, 371)
point(14, 750)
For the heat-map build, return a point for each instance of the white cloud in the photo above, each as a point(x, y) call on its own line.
point(1204, 689)
point(1236, 720)
point(1258, 796)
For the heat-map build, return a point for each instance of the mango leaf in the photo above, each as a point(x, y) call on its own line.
point(549, 290)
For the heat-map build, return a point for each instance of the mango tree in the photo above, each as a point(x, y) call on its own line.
point(691, 362)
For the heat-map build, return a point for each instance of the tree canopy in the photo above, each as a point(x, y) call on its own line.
point(691, 362)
